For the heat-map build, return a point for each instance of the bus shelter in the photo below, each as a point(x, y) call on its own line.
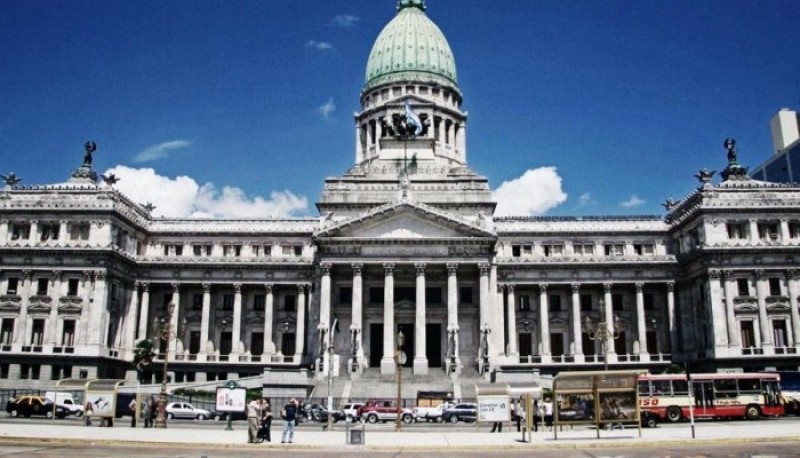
point(495, 401)
point(101, 395)
point(67, 385)
point(599, 398)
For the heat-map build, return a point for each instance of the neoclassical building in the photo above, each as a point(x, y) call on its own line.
point(406, 242)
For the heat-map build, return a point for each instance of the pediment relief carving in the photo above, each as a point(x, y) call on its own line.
point(71, 308)
point(8, 306)
point(70, 300)
point(778, 307)
point(745, 307)
point(254, 318)
point(38, 307)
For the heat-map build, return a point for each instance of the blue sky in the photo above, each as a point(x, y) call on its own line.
point(240, 108)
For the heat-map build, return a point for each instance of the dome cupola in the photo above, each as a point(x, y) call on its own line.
point(411, 48)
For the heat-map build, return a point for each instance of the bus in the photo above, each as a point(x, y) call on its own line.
point(715, 395)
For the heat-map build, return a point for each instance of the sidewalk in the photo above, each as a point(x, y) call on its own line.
point(384, 437)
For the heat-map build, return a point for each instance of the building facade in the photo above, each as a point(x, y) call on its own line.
point(407, 243)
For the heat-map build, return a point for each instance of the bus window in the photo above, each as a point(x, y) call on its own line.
point(680, 388)
point(662, 387)
point(644, 388)
point(771, 393)
point(749, 386)
point(725, 388)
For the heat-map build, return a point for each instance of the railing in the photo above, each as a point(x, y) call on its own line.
point(752, 351)
point(785, 350)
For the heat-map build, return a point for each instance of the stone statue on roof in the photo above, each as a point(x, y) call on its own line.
point(90, 148)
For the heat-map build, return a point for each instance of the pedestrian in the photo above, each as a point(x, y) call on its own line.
point(254, 411)
point(88, 410)
point(133, 408)
point(154, 407)
point(497, 427)
point(266, 422)
point(289, 415)
point(147, 407)
point(548, 414)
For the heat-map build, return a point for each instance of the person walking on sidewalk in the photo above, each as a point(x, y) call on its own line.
point(254, 412)
point(266, 423)
point(289, 415)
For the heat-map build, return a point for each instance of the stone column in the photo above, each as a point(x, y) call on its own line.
point(325, 297)
point(609, 314)
point(205, 321)
point(762, 293)
point(86, 291)
point(269, 318)
point(420, 357)
point(671, 325)
point(175, 319)
point(387, 361)
point(577, 334)
point(454, 361)
point(300, 331)
point(483, 293)
point(52, 320)
point(730, 315)
point(4, 231)
point(21, 323)
point(544, 323)
point(236, 328)
point(496, 316)
point(641, 328)
point(357, 302)
point(129, 336)
point(97, 315)
point(511, 303)
point(794, 291)
point(34, 235)
point(144, 313)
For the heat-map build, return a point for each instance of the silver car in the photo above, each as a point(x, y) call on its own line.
point(186, 410)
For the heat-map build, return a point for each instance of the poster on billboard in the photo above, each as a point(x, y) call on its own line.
point(102, 402)
point(231, 399)
point(494, 408)
point(617, 406)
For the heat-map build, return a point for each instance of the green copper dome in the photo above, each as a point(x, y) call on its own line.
point(411, 47)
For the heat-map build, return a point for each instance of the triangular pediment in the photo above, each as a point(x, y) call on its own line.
point(405, 220)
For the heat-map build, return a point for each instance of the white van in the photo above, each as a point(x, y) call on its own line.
point(65, 400)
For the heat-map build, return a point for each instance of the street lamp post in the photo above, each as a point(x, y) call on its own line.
point(399, 360)
point(602, 330)
point(164, 331)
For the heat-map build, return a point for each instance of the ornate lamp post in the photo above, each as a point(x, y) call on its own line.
point(164, 331)
point(399, 360)
point(602, 330)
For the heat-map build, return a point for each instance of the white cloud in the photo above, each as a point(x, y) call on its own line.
point(326, 109)
point(320, 45)
point(585, 198)
point(345, 20)
point(534, 193)
point(634, 201)
point(160, 151)
point(182, 197)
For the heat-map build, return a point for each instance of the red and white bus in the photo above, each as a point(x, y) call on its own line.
point(744, 395)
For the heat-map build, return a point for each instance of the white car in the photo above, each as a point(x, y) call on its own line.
point(186, 410)
point(350, 411)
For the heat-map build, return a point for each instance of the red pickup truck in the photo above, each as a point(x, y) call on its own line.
point(383, 410)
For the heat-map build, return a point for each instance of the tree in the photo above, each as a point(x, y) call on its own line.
point(143, 355)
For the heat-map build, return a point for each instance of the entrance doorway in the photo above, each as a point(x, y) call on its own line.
point(408, 345)
point(375, 344)
point(433, 344)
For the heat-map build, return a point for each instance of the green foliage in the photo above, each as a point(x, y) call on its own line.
point(673, 369)
point(143, 354)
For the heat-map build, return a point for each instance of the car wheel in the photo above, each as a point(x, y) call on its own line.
point(650, 422)
point(453, 419)
point(170, 416)
point(217, 417)
point(372, 418)
point(14, 413)
point(201, 417)
point(407, 419)
point(49, 414)
point(752, 413)
point(437, 419)
point(674, 414)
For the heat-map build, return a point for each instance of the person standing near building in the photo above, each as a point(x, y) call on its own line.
point(147, 408)
point(255, 410)
point(289, 415)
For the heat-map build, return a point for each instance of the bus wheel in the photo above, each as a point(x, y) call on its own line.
point(674, 414)
point(752, 413)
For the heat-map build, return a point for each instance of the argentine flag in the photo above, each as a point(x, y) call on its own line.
point(413, 120)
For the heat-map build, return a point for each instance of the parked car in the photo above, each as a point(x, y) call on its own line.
point(26, 406)
point(350, 411)
point(186, 410)
point(433, 413)
point(65, 400)
point(318, 413)
point(238, 415)
point(383, 410)
point(648, 419)
point(466, 412)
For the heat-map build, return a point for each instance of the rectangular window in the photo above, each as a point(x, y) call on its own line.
point(554, 303)
point(79, 231)
point(255, 250)
point(553, 250)
point(298, 250)
point(4, 367)
point(37, 332)
point(6, 331)
point(433, 295)
point(267, 250)
point(257, 343)
point(616, 302)
point(11, 286)
point(68, 334)
point(737, 230)
point(743, 287)
point(586, 302)
point(197, 302)
point(345, 295)
point(48, 231)
point(614, 249)
point(779, 333)
point(24, 371)
point(516, 250)
point(405, 293)
point(649, 301)
point(643, 249)
point(774, 286)
point(41, 286)
point(524, 303)
point(227, 302)
point(583, 249)
point(194, 342)
point(794, 230)
point(527, 250)
point(72, 287)
point(747, 333)
point(259, 302)
point(20, 231)
point(376, 295)
point(465, 294)
point(768, 231)
point(289, 303)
